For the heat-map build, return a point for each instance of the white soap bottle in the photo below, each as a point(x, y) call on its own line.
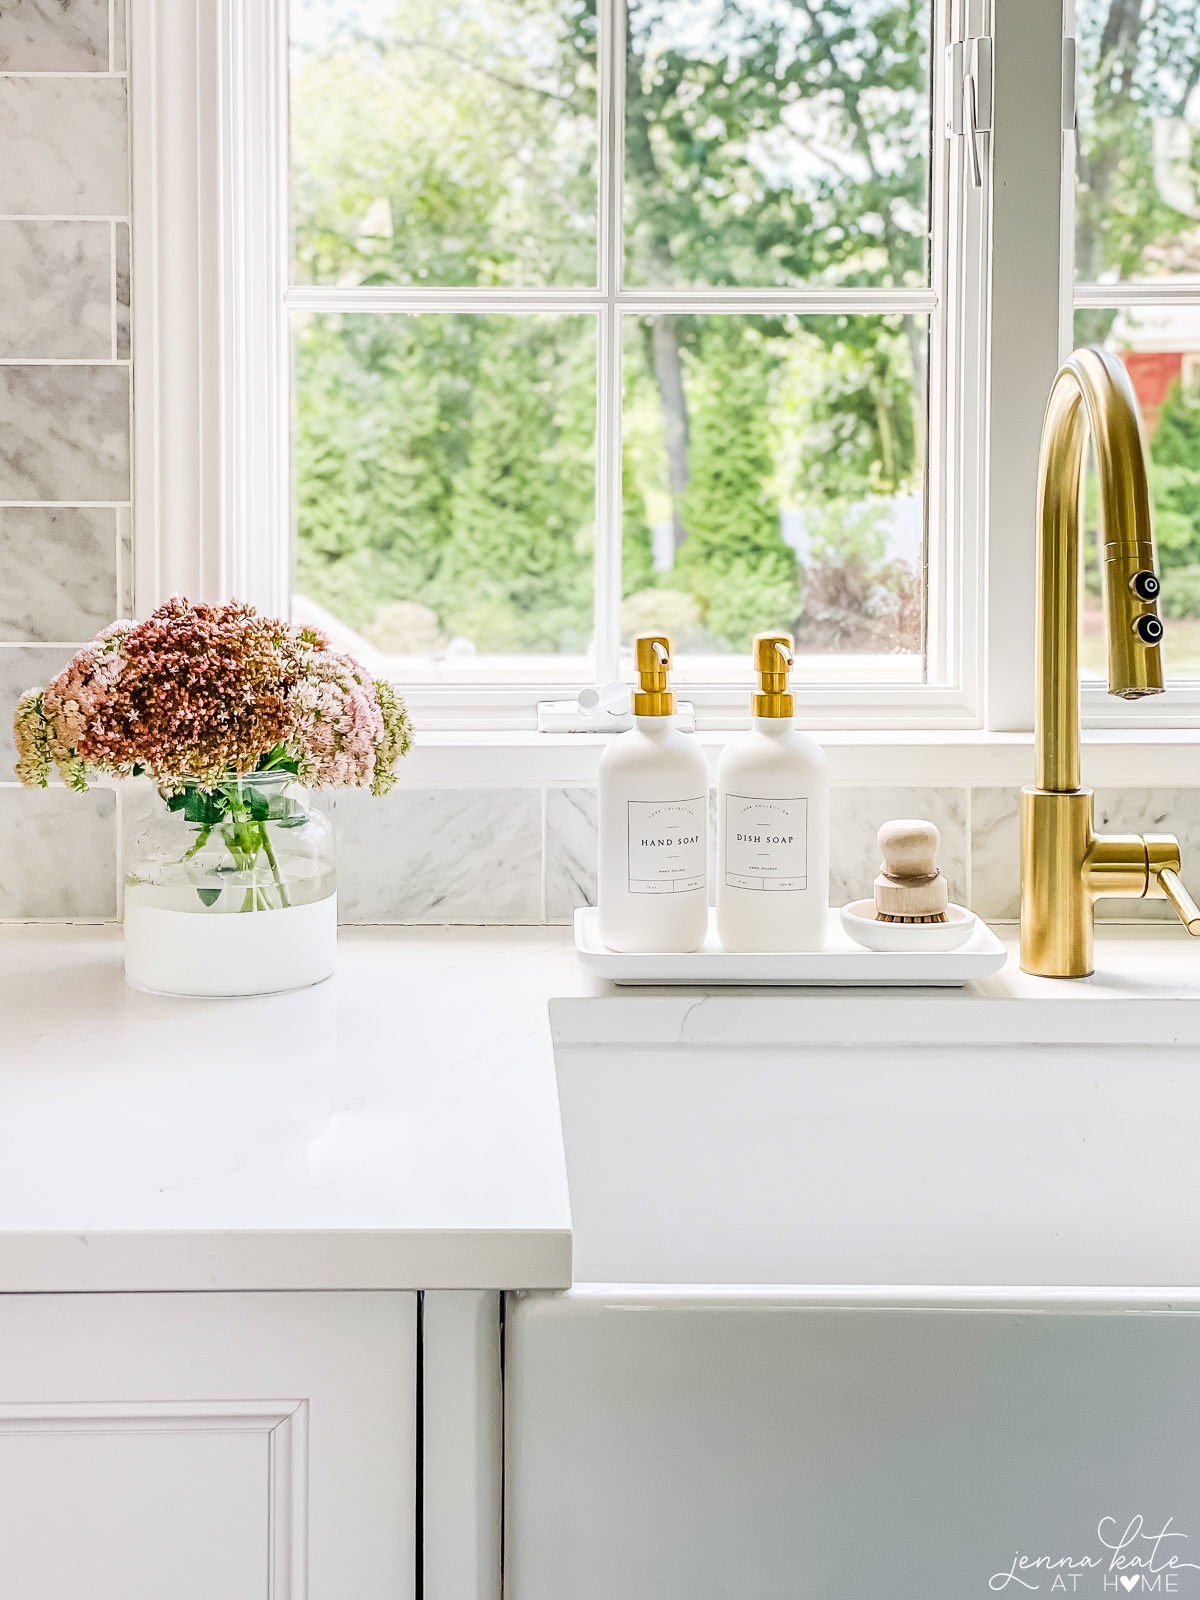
point(653, 844)
point(772, 821)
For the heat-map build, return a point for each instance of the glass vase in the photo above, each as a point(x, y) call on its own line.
point(231, 890)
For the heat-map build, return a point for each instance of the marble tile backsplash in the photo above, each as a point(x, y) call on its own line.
point(66, 566)
point(64, 433)
point(55, 36)
point(58, 572)
point(66, 147)
point(56, 291)
point(58, 855)
point(439, 855)
point(528, 855)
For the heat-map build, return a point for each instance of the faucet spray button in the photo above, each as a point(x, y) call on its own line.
point(1148, 629)
point(1145, 585)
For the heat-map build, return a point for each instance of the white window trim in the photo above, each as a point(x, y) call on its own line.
point(212, 404)
point(208, 99)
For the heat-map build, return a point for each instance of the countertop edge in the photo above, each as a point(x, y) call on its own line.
point(266, 1260)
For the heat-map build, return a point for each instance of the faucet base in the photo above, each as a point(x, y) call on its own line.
point(1065, 867)
point(1056, 910)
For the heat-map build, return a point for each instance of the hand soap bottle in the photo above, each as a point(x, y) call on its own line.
point(653, 844)
point(772, 821)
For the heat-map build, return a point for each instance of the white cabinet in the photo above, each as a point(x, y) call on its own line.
point(240, 1446)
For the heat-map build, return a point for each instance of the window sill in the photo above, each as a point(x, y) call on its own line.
point(1112, 758)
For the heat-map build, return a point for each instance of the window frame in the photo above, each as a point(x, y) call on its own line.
point(1179, 706)
point(213, 511)
point(950, 695)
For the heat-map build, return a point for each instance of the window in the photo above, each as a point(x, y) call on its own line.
point(611, 319)
point(1137, 278)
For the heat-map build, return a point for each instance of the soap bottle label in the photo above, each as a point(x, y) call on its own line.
point(766, 843)
point(666, 845)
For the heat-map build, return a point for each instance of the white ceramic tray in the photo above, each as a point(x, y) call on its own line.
point(842, 963)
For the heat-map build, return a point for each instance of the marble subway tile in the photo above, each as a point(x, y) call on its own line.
point(58, 854)
point(121, 297)
point(120, 34)
point(996, 854)
point(58, 572)
point(125, 561)
point(23, 667)
point(1174, 811)
point(66, 147)
point(54, 36)
point(856, 816)
point(64, 433)
point(439, 855)
point(56, 290)
point(570, 852)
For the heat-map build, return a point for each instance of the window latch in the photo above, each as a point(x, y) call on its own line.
point(969, 98)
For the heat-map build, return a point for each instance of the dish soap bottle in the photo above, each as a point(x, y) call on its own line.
point(772, 821)
point(653, 845)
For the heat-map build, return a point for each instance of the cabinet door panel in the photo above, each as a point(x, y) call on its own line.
point(131, 1515)
point(260, 1445)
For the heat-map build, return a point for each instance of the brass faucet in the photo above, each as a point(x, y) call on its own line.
point(1065, 864)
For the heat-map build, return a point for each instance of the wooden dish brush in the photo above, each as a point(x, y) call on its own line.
point(910, 888)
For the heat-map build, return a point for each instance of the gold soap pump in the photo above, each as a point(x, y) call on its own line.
point(773, 661)
point(652, 656)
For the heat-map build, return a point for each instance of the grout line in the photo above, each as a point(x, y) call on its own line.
point(112, 283)
point(969, 886)
point(112, 22)
point(545, 798)
point(66, 361)
point(60, 216)
point(93, 76)
point(78, 505)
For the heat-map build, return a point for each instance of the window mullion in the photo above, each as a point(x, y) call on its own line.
point(610, 159)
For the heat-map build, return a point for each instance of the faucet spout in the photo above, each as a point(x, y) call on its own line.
point(1092, 397)
point(1065, 864)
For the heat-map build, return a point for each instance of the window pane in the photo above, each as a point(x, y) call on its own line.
point(1137, 204)
point(444, 469)
point(443, 143)
point(1161, 348)
point(773, 474)
point(769, 143)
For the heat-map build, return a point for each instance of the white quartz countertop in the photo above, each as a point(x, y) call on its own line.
point(394, 1127)
point(398, 1126)
point(1144, 990)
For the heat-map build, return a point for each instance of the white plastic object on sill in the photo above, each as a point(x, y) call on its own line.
point(841, 964)
point(602, 709)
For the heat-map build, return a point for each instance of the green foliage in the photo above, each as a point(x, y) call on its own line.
point(734, 556)
point(1137, 63)
point(516, 574)
point(1181, 591)
point(445, 463)
point(1175, 471)
point(717, 116)
point(455, 146)
point(381, 428)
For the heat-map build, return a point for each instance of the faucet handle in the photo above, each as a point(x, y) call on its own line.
point(1164, 881)
point(1186, 908)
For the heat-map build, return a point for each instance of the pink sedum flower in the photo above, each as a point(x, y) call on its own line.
point(200, 692)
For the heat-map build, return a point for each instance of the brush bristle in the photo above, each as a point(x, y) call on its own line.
point(938, 916)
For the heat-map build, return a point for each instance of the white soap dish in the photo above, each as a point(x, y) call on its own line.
point(841, 962)
point(865, 928)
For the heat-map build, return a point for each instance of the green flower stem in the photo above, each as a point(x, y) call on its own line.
point(284, 900)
